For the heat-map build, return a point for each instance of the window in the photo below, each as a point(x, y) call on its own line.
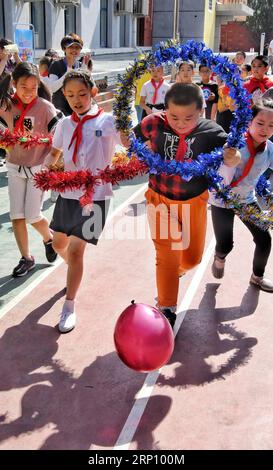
point(103, 23)
point(2, 21)
point(210, 4)
point(38, 20)
point(70, 19)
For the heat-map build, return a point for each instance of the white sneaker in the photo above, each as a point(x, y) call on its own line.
point(68, 317)
point(262, 282)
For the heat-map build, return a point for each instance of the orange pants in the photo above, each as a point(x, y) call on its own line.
point(178, 230)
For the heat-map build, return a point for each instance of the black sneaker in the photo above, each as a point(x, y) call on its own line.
point(51, 254)
point(218, 267)
point(171, 316)
point(23, 267)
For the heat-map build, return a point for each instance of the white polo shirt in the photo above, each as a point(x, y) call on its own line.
point(148, 92)
point(99, 138)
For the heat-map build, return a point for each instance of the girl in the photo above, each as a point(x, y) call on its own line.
point(28, 110)
point(256, 158)
point(87, 140)
point(259, 82)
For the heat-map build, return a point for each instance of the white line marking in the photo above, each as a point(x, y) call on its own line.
point(4, 310)
point(126, 436)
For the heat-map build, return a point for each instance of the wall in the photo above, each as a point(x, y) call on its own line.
point(235, 36)
point(191, 20)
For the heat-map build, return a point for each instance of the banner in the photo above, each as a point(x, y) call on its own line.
point(24, 41)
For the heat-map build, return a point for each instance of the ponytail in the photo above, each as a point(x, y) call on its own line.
point(43, 92)
point(5, 92)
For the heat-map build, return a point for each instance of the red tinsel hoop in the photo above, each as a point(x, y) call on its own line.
point(9, 139)
point(84, 179)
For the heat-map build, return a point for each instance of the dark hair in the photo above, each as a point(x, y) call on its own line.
point(90, 64)
point(242, 53)
point(70, 39)
point(51, 53)
point(261, 105)
point(81, 76)
point(187, 62)
point(184, 94)
point(248, 67)
point(46, 60)
point(204, 65)
point(23, 69)
point(262, 58)
point(4, 42)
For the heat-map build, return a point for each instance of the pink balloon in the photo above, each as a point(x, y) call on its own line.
point(143, 338)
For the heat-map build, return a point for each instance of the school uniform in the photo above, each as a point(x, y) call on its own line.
point(99, 138)
point(154, 93)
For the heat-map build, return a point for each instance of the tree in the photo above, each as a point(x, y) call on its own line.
point(261, 21)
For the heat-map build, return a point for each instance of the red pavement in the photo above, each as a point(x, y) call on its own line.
point(72, 391)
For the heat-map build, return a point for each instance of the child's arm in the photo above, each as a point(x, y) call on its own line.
point(52, 158)
point(213, 112)
point(142, 104)
point(232, 156)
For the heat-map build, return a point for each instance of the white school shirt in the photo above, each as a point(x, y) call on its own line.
point(99, 138)
point(148, 92)
point(246, 188)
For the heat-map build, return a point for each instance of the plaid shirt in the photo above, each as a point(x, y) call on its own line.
point(205, 137)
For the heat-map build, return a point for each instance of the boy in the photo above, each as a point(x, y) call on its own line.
point(179, 134)
point(153, 92)
point(210, 91)
point(259, 82)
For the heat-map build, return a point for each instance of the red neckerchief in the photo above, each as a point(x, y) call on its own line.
point(252, 84)
point(77, 134)
point(19, 126)
point(182, 146)
point(156, 86)
point(253, 152)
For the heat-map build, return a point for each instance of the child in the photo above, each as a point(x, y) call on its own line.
point(225, 106)
point(257, 157)
point(185, 74)
point(210, 91)
point(246, 72)
point(153, 92)
point(44, 64)
point(179, 134)
point(29, 110)
point(87, 140)
point(259, 82)
point(138, 87)
point(240, 59)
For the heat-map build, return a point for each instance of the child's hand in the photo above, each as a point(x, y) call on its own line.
point(125, 140)
point(232, 156)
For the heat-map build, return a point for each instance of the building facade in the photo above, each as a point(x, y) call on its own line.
point(198, 19)
point(115, 24)
point(101, 23)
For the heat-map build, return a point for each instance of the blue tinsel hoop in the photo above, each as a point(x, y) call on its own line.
point(207, 164)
